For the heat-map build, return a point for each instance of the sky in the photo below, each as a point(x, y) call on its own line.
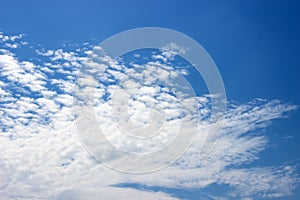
point(44, 45)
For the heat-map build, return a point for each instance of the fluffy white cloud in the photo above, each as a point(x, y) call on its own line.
point(41, 156)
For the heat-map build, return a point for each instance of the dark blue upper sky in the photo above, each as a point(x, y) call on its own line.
point(255, 44)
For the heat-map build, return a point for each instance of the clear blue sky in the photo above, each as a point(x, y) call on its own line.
point(255, 45)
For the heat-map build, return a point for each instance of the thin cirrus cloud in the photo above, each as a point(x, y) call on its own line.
point(41, 155)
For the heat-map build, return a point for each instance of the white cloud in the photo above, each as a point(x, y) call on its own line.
point(41, 156)
point(23, 73)
point(12, 38)
point(168, 52)
point(270, 182)
point(13, 46)
point(236, 146)
point(108, 193)
point(12, 41)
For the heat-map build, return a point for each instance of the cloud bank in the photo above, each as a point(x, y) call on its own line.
point(41, 156)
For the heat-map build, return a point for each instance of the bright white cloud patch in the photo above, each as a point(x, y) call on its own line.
point(41, 155)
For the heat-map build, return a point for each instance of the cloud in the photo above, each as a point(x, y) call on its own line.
point(41, 155)
point(169, 51)
point(108, 193)
point(238, 145)
point(269, 182)
point(23, 73)
point(12, 41)
point(5, 38)
point(13, 46)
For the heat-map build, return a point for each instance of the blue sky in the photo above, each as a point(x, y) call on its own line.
point(255, 46)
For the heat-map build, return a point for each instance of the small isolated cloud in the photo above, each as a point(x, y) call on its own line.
point(13, 46)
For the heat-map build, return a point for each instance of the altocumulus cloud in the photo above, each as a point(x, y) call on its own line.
point(41, 155)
